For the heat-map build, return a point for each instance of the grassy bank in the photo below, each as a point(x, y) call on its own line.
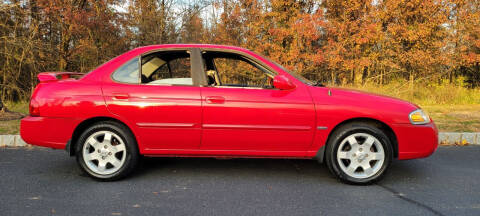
point(13, 126)
point(443, 93)
point(455, 118)
point(453, 108)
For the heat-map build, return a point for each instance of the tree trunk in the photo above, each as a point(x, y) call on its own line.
point(352, 77)
point(365, 74)
point(3, 108)
point(411, 83)
point(333, 77)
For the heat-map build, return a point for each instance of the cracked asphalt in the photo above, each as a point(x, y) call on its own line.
point(41, 181)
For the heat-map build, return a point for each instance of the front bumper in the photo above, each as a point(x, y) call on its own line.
point(47, 131)
point(416, 141)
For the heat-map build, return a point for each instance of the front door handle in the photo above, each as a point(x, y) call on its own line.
point(215, 99)
point(120, 96)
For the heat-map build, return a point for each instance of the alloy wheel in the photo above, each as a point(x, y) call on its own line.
point(104, 152)
point(360, 155)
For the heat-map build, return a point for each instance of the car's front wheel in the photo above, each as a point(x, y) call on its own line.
point(359, 153)
point(107, 151)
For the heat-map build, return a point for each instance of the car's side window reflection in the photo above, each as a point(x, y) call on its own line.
point(127, 73)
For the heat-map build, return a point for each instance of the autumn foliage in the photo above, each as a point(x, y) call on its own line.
point(337, 42)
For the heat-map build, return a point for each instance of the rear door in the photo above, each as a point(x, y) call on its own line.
point(242, 110)
point(158, 94)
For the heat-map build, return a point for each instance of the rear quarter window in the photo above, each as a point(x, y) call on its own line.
point(128, 72)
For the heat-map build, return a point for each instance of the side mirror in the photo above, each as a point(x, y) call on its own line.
point(283, 83)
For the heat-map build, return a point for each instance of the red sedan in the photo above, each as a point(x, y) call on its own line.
point(219, 101)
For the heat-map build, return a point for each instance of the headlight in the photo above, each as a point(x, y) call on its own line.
point(419, 117)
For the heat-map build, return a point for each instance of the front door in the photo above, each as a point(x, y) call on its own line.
point(243, 111)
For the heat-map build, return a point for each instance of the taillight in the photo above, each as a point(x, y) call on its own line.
point(34, 108)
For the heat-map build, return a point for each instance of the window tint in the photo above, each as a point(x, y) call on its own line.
point(171, 68)
point(239, 72)
point(127, 73)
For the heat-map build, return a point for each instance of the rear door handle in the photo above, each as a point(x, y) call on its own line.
point(215, 99)
point(120, 96)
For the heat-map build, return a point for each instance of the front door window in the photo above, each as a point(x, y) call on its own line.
point(227, 69)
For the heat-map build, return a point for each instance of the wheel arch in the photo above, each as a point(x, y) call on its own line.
point(84, 125)
point(375, 122)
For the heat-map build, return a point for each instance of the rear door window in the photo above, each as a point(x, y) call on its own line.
point(167, 68)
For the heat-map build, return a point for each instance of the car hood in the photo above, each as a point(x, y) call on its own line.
point(367, 96)
point(362, 104)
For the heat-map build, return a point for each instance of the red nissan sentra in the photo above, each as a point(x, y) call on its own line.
point(219, 101)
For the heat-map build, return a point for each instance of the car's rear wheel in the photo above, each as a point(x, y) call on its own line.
point(107, 151)
point(359, 153)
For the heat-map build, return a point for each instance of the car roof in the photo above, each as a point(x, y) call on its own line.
point(148, 48)
point(211, 46)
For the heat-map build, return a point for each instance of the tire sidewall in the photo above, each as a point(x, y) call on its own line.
point(344, 132)
point(127, 138)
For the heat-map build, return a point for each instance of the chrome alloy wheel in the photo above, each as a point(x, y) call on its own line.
point(360, 155)
point(104, 152)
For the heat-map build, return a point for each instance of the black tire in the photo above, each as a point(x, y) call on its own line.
point(131, 149)
point(354, 128)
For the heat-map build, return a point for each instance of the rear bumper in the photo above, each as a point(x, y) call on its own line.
point(416, 141)
point(46, 131)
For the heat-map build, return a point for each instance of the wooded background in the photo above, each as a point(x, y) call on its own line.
point(354, 42)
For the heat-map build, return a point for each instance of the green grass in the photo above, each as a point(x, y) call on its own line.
point(443, 93)
point(10, 127)
point(13, 126)
point(21, 107)
point(455, 118)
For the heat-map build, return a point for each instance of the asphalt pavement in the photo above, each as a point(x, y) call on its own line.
point(40, 181)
